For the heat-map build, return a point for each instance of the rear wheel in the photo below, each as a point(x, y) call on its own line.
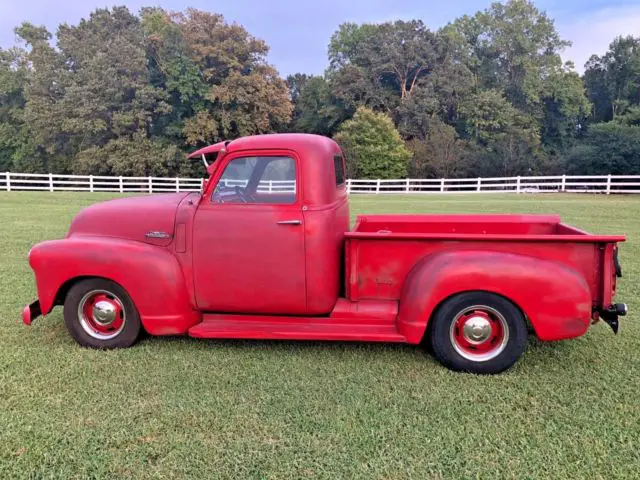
point(478, 332)
point(99, 313)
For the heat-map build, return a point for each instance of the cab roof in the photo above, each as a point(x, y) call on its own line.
point(316, 154)
point(291, 141)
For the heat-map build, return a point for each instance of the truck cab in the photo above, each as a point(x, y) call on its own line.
point(272, 219)
point(265, 251)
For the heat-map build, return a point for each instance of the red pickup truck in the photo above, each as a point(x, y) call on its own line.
point(266, 252)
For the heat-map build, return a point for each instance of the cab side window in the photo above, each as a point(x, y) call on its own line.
point(262, 180)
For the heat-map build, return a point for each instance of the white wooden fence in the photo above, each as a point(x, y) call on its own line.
point(606, 184)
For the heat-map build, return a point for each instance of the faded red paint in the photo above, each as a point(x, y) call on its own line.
point(231, 271)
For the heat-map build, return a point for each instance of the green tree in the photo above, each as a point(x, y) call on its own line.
point(316, 110)
point(510, 138)
point(121, 93)
point(93, 90)
point(607, 148)
point(46, 147)
point(244, 94)
point(512, 47)
point(373, 147)
point(12, 103)
point(594, 81)
point(566, 110)
point(441, 154)
point(400, 68)
point(513, 50)
point(296, 84)
point(172, 70)
point(613, 80)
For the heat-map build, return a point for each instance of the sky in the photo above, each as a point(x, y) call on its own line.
point(298, 31)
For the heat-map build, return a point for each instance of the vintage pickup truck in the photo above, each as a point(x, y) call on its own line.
point(265, 251)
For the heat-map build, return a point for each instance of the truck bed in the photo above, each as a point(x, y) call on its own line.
point(472, 227)
point(382, 249)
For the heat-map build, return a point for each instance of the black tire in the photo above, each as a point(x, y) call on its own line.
point(84, 330)
point(506, 338)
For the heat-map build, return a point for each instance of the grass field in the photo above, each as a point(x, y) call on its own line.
point(178, 407)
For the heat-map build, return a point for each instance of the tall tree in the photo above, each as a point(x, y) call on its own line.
point(510, 138)
point(244, 94)
point(373, 147)
point(172, 70)
point(109, 96)
point(613, 80)
point(513, 47)
point(12, 103)
point(46, 148)
point(401, 68)
point(316, 110)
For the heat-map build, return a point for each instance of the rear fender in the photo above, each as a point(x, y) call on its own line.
point(151, 275)
point(554, 297)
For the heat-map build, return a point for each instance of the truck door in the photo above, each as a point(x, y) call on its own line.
point(248, 237)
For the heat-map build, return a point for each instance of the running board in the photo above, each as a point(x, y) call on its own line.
point(294, 328)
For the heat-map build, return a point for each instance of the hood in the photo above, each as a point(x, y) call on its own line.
point(148, 218)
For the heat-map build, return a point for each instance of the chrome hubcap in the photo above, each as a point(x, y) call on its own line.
point(476, 329)
point(104, 312)
point(479, 333)
point(101, 314)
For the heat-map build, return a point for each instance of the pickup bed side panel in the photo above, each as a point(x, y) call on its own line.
point(151, 275)
point(555, 297)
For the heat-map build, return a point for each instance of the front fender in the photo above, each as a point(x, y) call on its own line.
point(555, 298)
point(151, 275)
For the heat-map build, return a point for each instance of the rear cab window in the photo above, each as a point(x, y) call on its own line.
point(338, 167)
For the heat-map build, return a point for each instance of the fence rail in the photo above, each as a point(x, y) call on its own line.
point(607, 184)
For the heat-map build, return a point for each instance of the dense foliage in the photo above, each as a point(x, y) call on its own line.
point(486, 95)
point(373, 147)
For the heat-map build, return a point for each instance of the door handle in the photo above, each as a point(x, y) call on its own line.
point(289, 222)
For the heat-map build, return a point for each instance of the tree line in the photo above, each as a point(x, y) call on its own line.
point(486, 95)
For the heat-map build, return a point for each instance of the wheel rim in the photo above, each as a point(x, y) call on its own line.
point(101, 314)
point(479, 333)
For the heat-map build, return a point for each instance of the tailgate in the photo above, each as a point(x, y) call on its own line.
point(610, 271)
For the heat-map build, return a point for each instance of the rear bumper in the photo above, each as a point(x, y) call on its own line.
point(31, 312)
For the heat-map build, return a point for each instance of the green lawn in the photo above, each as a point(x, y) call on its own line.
point(179, 407)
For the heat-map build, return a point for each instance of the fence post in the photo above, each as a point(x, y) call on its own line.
point(348, 186)
point(201, 184)
point(177, 184)
point(91, 183)
point(270, 186)
point(378, 186)
point(608, 184)
point(406, 188)
point(51, 182)
point(442, 184)
point(8, 176)
point(563, 186)
point(120, 184)
point(150, 185)
point(479, 182)
point(518, 184)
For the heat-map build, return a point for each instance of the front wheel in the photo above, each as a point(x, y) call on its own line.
point(99, 313)
point(477, 332)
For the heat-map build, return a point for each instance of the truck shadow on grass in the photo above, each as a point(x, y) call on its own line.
point(537, 352)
